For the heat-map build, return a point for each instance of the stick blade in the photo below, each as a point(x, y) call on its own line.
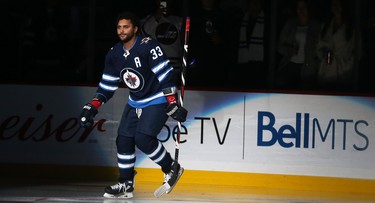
point(163, 189)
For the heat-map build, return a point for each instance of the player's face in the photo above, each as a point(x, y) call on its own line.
point(126, 30)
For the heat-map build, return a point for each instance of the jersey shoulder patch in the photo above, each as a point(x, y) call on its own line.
point(145, 40)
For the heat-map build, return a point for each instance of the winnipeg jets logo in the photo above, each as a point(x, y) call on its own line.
point(133, 79)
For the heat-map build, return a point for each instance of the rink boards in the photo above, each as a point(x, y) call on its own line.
point(268, 140)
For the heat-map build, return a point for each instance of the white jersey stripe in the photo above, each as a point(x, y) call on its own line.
point(148, 99)
point(160, 66)
point(110, 78)
point(161, 77)
point(107, 87)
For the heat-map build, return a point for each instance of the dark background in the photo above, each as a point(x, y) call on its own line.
point(65, 41)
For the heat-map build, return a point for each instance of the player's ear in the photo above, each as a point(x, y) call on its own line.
point(136, 29)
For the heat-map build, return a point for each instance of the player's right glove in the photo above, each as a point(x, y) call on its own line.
point(89, 111)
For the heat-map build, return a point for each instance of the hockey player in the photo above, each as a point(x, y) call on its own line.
point(141, 64)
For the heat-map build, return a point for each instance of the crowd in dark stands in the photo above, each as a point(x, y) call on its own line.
point(304, 45)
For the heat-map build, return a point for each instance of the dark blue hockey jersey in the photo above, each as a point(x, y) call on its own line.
point(144, 68)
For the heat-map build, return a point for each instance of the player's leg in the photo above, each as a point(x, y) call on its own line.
point(125, 156)
point(151, 122)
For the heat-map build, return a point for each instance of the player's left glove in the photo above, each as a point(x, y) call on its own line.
point(174, 110)
point(177, 112)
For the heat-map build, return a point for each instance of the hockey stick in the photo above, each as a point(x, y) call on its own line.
point(166, 188)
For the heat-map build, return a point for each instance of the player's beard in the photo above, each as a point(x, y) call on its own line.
point(127, 38)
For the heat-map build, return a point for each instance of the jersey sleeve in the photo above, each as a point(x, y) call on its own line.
point(160, 66)
point(110, 80)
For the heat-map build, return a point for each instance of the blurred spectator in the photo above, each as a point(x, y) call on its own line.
point(299, 36)
point(336, 48)
point(207, 44)
point(251, 68)
point(167, 28)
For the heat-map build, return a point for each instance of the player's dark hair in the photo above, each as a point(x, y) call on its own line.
point(129, 16)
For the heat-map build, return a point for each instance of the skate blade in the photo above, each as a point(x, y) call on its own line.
point(162, 190)
point(127, 195)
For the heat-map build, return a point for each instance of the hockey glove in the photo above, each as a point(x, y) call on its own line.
point(178, 113)
point(175, 111)
point(89, 111)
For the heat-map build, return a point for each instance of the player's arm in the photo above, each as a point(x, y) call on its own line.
point(108, 85)
point(167, 78)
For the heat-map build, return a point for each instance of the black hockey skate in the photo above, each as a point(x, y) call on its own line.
point(120, 190)
point(170, 180)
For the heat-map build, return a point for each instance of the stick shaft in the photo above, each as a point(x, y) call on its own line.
point(182, 88)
